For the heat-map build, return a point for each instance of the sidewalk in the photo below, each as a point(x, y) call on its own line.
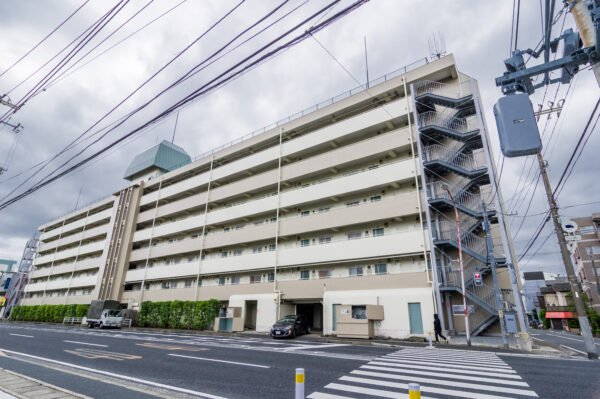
point(18, 386)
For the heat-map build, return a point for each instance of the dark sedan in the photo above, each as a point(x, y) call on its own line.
point(290, 326)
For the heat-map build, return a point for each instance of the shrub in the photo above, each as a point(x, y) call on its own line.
point(47, 313)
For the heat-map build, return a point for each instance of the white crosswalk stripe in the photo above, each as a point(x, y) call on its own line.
point(440, 373)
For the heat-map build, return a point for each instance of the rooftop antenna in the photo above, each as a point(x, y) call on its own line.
point(437, 46)
point(175, 128)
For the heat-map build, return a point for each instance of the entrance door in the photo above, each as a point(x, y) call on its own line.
point(415, 318)
point(250, 320)
point(334, 317)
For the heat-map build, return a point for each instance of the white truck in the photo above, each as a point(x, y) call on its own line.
point(105, 314)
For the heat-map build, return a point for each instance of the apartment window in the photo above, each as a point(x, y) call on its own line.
point(273, 220)
point(177, 261)
point(355, 271)
point(324, 273)
point(352, 203)
point(257, 250)
point(378, 232)
point(147, 286)
point(304, 213)
point(376, 198)
point(304, 275)
point(203, 257)
point(173, 284)
point(324, 209)
point(325, 240)
point(168, 262)
point(221, 280)
point(199, 282)
point(224, 254)
point(235, 280)
point(304, 243)
point(354, 235)
point(258, 223)
point(194, 236)
point(380, 268)
point(240, 226)
point(192, 258)
point(226, 229)
point(237, 252)
point(271, 277)
point(188, 283)
point(373, 167)
point(272, 247)
point(165, 286)
point(255, 279)
point(305, 185)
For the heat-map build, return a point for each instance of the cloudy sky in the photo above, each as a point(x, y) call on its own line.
point(397, 32)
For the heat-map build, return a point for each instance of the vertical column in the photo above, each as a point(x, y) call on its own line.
point(87, 214)
point(208, 187)
point(53, 259)
point(278, 292)
point(150, 240)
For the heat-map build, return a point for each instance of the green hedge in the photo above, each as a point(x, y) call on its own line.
point(179, 314)
point(48, 313)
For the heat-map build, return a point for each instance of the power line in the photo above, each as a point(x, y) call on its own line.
point(44, 39)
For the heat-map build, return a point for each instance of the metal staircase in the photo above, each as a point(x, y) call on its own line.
point(448, 139)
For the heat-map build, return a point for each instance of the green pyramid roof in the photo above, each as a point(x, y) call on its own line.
point(165, 156)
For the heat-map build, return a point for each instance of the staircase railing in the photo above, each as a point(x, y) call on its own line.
point(477, 317)
point(454, 91)
point(462, 197)
point(437, 152)
point(447, 231)
point(445, 120)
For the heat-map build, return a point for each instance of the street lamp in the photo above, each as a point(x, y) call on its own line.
point(460, 260)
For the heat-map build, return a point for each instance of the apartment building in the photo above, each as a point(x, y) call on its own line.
point(325, 208)
point(586, 256)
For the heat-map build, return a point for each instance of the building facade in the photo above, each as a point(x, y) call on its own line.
point(326, 209)
point(586, 256)
point(532, 284)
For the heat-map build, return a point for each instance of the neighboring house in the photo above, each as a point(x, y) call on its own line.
point(586, 256)
point(532, 283)
point(6, 276)
point(322, 209)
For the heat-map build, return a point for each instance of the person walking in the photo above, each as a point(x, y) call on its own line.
point(437, 328)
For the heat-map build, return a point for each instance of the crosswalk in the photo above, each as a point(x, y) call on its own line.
point(440, 373)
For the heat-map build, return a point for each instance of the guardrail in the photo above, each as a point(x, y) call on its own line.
point(126, 323)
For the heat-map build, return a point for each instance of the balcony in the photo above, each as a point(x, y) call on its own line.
point(77, 224)
point(70, 253)
point(84, 235)
point(403, 243)
point(35, 287)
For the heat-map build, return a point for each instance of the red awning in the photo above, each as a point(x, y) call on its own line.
point(559, 315)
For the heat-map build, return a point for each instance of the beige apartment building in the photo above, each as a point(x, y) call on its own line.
point(586, 256)
point(324, 209)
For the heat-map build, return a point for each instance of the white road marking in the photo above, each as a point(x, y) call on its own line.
point(320, 395)
point(370, 391)
point(385, 362)
point(221, 361)
point(454, 376)
point(570, 338)
point(452, 392)
point(21, 335)
point(575, 350)
point(118, 376)
point(313, 346)
point(449, 371)
point(465, 362)
point(85, 343)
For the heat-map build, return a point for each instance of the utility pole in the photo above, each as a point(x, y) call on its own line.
point(584, 323)
point(492, 262)
point(15, 128)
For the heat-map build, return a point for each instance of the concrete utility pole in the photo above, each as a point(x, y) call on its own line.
point(492, 261)
point(584, 323)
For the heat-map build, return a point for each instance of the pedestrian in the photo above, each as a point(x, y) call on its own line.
point(437, 328)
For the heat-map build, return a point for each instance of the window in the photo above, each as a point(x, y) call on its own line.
point(237, 252)
point(240, 226)
point(177, 261)
point(257, 250)
point(594, 250)
point(305, 185)
point(221, 280)
point(352, 203)
point(305, 243)
point(224, 254)
point(194, 236)
point(273, 220)
point(380, 268)
point(226, 229)
point(165, 286)
point(147, 286)
point(272, 247)
point(324, 209)
point(235, 280)
point(188, 283)
point(203, 257)
point(173, 284)
point(168, 262)
point(199, 282)
point(255, 279)
point(354, 235)
point(355, 271)
point(376, 198)
point(258, 223)
point(271, 277)
point(373, 167)
point(378, 232)
point(304, 275)
point(192, 258)
point(304, 213)
point(324, 273)
point(325, 240)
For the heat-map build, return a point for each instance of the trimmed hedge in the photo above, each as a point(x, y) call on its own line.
point(179, 314)
point(48, 313)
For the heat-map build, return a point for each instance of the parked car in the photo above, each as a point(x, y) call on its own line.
point(290, 326)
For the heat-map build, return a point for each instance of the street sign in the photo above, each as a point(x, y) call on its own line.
point(573, 237)
point(569, 226)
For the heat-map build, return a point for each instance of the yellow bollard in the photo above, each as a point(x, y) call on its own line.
point(414, 391)
point(300, 384)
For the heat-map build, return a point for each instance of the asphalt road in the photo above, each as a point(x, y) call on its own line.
point(567, 340)
point(143, 364)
